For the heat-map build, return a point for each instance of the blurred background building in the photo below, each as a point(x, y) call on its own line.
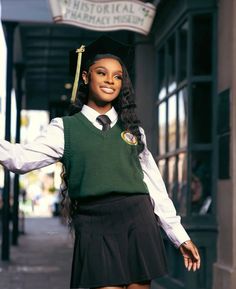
point(184, 73)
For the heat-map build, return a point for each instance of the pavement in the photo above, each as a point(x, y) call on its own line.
point(42, 259)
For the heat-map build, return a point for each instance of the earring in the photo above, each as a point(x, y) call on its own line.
point(85, 82)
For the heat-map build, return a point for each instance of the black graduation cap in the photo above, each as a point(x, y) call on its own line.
point(103, 45)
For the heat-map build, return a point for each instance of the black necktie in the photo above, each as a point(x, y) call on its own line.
point(105, 121)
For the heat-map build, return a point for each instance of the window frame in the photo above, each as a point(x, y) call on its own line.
point(180, 85)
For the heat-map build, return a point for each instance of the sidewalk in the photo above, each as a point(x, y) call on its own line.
point(42, 259)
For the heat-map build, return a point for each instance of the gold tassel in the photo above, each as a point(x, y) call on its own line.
point(76, 81)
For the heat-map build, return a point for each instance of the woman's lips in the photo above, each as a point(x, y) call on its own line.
point(107, 89)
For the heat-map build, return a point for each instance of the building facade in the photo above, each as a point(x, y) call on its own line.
point(185, 92)
point(190, 124)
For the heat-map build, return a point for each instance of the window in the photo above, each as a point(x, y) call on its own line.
point(185, 114)
point(223, 131)
point(202, 44)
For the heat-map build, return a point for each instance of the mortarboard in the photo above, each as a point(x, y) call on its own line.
point(103, 45)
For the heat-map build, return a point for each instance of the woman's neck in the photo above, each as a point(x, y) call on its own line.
point(100, 108)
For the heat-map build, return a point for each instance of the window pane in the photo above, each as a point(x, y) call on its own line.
point(162, 128)
point(202, 44)
point(172, 122)
point(223, 105)
point(171, 65)
point(161, 74)
point(201, 113)
point(201, 183)
point(224, 156)
point(171, 177)
point(183, 34)
point(181, 205)
point(183, 118)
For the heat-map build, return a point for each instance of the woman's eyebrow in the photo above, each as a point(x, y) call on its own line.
point(107, 69)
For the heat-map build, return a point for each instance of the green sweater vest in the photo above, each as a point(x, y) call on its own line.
point(97, 162)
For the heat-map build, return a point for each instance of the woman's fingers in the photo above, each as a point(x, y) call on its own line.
point(195, 252)
point(199, 263)
point(197, 257)
point(186, 262)
point(191, 256)
point(190, 264)
point(194, 266)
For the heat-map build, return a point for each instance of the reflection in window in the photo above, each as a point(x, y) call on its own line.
point(171, 176)
point(183, 118)
point(161, 74)
point(185, 113)
point(183, 34)
point(182, 184)
point(202, 44)
point(171, 65)
point(172, 122)
point(201, 183)
point(201, 113)
point(162, 93)
point(162, 128)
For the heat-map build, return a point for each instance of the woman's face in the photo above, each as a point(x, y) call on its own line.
point(105, 81)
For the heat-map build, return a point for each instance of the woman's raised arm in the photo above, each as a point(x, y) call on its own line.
point(45, 150)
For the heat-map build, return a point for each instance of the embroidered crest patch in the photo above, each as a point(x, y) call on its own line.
point(129, 138)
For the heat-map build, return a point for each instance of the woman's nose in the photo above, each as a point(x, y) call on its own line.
point(109, 79)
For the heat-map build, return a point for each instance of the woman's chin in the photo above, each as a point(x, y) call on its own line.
point(105, 100)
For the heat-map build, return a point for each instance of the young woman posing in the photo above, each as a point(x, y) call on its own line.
point(117, 196)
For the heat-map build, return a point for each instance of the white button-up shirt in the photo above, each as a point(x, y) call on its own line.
point(49, 148)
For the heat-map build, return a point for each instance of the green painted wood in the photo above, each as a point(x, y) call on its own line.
point(202, 228)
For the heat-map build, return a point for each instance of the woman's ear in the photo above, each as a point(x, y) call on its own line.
point(85, 77)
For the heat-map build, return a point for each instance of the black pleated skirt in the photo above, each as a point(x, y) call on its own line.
point(117, 242)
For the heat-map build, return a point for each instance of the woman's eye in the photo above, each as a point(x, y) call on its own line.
point(118, 77)
point(100, 72)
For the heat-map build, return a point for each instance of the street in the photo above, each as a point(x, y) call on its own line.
point(42, 259)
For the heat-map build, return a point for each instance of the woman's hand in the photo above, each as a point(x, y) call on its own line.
point(191, 256)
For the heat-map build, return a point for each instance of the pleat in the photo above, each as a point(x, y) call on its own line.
point(117, 243)
point(146, 255)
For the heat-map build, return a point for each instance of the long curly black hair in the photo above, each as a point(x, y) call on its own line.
point(125, 107)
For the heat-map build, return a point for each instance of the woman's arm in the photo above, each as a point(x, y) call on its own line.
point(163, 205)
point(165, 210)
point(45, 150)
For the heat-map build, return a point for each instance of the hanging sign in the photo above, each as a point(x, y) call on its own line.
point(105, 15)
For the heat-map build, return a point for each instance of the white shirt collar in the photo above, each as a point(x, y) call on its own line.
point(91, 114)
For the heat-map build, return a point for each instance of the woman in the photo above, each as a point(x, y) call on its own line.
point(114, 186)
